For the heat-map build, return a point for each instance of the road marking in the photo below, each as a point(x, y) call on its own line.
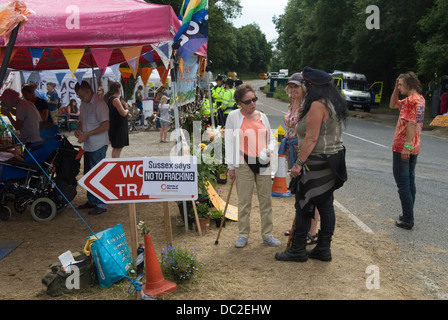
point(378, 144)
point(360, 224)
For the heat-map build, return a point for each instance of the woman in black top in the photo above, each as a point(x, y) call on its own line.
point(118, 117)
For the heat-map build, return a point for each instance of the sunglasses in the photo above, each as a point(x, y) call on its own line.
point(250, 100)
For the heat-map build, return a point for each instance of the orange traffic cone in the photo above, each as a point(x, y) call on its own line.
point(155, 285)
point(279, 188)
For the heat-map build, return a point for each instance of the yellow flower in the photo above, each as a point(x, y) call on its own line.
point(203, 146)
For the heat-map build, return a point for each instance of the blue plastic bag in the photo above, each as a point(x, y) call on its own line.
point(111, 255)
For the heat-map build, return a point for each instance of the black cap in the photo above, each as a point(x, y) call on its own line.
point(238, 82)
point(229, 82)
point(316, 77)
point(218, 78)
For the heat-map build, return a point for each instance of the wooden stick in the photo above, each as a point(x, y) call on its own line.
point(197, 218)
point(168, 231)
point(133, 221)
point(291, 232)
point(224, 212)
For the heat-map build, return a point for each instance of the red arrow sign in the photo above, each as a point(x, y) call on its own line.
point(117, 181)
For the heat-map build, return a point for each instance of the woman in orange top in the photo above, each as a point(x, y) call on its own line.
point(249, 145)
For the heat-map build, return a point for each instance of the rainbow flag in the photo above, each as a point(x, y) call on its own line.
point(193, 33)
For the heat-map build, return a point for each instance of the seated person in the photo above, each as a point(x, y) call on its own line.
point(40, 151)
point(73, 110)
point(27, 116)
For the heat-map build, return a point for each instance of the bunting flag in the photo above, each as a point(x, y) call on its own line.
point(36, 54)
point(126, 74)
point(26, 75)
point(148, 56)
point(132, 56)
point(102, 57)
point(164, 50)
point(73, 57)
point(193, 33)
point(60, 76)
point(163, 73)
point(79, 75)
point(145, 73)
point(116, 70)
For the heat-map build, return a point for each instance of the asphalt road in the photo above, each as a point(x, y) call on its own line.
point(371, 195)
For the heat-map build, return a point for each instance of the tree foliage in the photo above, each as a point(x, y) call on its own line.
point(332, 35)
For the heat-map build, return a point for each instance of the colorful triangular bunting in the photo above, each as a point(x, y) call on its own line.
point(60, 76)
point(163, 73)
point(102, 57)
point(36, 54)
point(73, 57)
point(79, 75)
point(148, 56)
point(132, 56)
point(145, 73)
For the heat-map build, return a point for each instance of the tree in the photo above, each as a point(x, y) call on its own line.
point(433, 47)
point(253, 50)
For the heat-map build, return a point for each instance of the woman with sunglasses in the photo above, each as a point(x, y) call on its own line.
point(249, 145)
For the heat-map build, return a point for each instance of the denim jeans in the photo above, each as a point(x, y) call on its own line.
point(90, 160)
point(404, 174)
point(327, 219)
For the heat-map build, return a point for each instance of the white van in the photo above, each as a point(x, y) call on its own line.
point(356, 90)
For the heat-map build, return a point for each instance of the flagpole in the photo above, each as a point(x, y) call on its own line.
point(8, 53)
point(176, 107)
point(210, 102)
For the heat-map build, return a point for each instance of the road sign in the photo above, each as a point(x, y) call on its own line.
point(121, 180)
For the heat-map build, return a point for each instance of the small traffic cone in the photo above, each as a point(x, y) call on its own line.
point(279, 188)
point(155, 285)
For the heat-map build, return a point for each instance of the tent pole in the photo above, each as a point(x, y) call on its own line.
point(8, 53)
point(210, 103)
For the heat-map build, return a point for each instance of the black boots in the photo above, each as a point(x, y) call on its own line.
point(322, 250)
point(296, 252)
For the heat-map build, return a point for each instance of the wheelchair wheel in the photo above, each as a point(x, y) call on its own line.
point(5, 213)
point(43, 209)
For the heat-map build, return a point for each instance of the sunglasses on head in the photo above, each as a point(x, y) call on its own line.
point(250, 100)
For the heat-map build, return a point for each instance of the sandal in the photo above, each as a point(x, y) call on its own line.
point(311, 239)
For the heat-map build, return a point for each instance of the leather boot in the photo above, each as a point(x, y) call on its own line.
point(296, 252)
point(322, 249)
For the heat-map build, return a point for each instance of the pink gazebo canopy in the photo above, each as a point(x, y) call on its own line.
point(99, 24)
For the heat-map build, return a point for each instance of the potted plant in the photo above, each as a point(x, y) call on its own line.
point(203, 211)
point(221, 173)
point(217, 217)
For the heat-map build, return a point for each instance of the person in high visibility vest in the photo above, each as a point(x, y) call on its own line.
point(228, 100)
point(205, 110)
point(217, 95)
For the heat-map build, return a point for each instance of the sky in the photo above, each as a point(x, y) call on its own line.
point(261, 12)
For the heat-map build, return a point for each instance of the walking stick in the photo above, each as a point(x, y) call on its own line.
point(224, 212)
point(291, 232)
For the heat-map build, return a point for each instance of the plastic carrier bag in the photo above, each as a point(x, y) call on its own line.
point(111, 255)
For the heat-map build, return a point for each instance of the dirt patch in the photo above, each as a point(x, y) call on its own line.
point(227, 272)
